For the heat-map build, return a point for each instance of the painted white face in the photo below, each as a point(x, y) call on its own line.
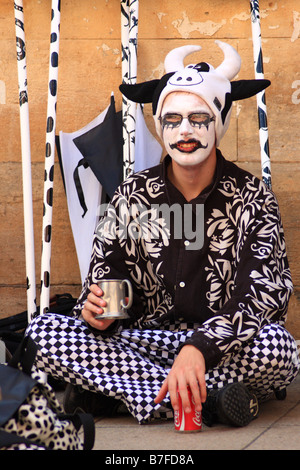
point(188, 128)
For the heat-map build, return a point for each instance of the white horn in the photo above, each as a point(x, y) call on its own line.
point(231, 64)
point(174, 59)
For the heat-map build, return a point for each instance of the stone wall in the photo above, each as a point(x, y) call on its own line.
point(90, 69)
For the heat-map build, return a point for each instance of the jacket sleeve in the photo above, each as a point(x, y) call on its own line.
point(260, 292)
point(107, 261)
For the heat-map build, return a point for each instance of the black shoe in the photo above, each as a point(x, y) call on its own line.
point(280, 394)
point(234, 405)
point(78, 400)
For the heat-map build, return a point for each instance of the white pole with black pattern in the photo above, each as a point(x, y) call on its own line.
point(261, 97)
point(129, 33)
point(26, 160)
point(49, 157)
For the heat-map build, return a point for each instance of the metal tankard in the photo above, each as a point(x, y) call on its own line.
point(114, 293)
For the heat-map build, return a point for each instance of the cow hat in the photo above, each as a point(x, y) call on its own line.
point(213, 85)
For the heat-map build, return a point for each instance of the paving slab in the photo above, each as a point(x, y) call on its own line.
point(276, 428)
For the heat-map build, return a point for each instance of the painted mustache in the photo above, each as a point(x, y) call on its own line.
point(188, 146)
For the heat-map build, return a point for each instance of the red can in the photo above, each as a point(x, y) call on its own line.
point(187, 421)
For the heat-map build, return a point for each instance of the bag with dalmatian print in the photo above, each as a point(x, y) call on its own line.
point(31, 417)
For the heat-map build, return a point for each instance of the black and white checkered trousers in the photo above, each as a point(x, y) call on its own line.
point(132, 365)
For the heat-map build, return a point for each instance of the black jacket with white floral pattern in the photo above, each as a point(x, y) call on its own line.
point(228, 281)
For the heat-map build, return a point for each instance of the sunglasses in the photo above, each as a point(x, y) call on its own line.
point(195, 119)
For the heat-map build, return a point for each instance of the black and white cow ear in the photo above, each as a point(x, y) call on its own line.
point(146, 92)
point(242, 89)
point(139, 92)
